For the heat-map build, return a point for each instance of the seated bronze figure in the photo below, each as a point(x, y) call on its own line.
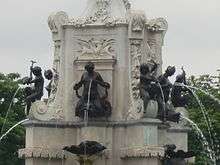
point(91, 99)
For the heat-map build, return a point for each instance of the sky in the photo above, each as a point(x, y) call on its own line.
point(192, 40)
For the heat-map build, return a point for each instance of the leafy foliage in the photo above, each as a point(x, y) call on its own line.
point(15, 140)
point(210, 85)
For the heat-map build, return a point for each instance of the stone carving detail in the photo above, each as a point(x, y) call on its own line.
point(56, 20)
point(135, 62)
point(158, 24)
point(157, 29)
point(42, 153)
point(96, 48)
point(127, 4)
point(54, 153)
point(103, 10)
point(142, 152)
point(102, 14)
point(138, 21)
point(110, 22)
point(40, 111)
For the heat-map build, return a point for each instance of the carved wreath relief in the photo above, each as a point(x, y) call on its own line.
point(96, 48)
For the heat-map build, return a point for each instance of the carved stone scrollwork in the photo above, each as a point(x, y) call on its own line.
point(157, 29)
point(53, 107)
point(158, 24)
point(40, 111)
point(43, 153)
point(127, 4)
point(96, 48)
point(102, 13)
point(110, 22)
point(103, 10)
point(56, 20)
point(135, 62)
point(138, 21)
point(142, 152)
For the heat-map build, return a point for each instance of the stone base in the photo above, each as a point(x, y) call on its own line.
point(128, 142)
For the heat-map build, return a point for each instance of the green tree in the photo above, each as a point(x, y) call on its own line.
point(15, 140)
point(208, 84)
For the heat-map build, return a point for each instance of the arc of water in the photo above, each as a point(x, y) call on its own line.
point(9, 108)
point(163, 99)
point(204, 113)
point(207, 93)
point(86, 112)
point(203, 138)
point(5, 134)
point(86, 115)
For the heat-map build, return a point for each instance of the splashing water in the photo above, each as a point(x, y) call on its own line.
point(86, 117)
point(204, 113)
point(9, 109)
point(5, 134)
point(204, 141)
point(206, 93)
point(86, 112)
point(163, 99)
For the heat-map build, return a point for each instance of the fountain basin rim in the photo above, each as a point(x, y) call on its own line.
point(142, 152)
point(55, 153)
point(79, 124)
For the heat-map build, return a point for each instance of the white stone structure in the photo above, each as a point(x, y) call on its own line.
point(117, 39)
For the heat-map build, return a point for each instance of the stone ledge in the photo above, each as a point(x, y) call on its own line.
point(97, 25)
point(142, 152)
point(63, 124)
point(52, 153)
point(42, 153)
point(179, 130)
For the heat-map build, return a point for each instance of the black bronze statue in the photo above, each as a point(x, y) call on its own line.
point(165, 82)
point(165, 110)
point(91, 99)
point(148, 83)
point(35, 93)
point(173, 157)
point(48, 74)
point(179, 93)
point(86, 148)
point(158, 89)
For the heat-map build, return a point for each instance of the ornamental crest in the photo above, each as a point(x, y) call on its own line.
point(96, 48)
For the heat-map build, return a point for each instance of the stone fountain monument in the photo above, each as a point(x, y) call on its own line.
point(116, 40)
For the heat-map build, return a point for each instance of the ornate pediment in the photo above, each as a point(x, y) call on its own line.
point(107, 12)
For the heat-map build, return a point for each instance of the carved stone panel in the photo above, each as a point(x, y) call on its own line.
point(135, 62)
point(96, 48)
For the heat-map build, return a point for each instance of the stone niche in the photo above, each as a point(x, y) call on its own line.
point(106, 48)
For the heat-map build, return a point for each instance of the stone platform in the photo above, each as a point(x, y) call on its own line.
point(127, 142)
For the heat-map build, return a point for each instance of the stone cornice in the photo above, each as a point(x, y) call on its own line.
point(142, 152)
point(54, 153)
point(42, 153)
point(79, 124)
